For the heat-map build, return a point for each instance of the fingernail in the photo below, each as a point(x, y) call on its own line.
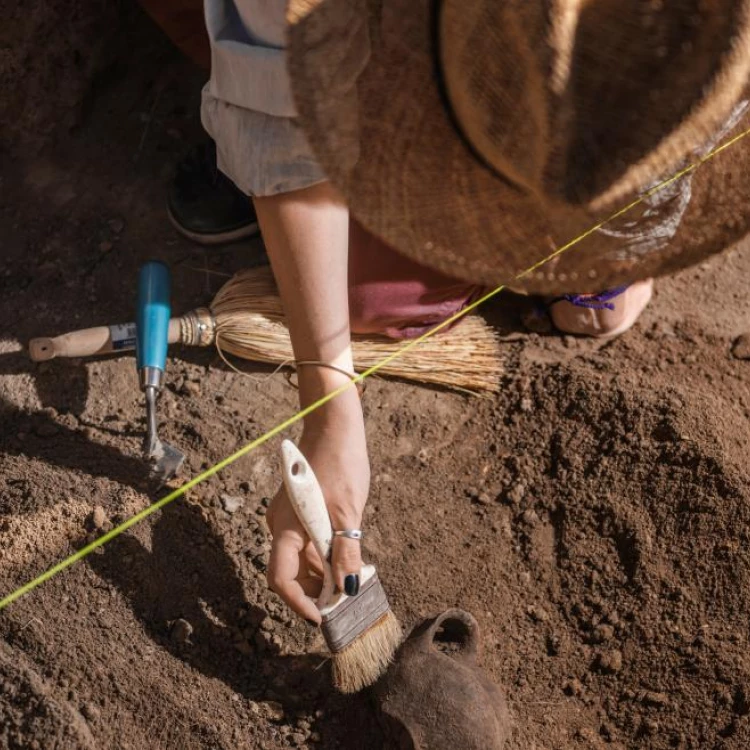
point(311, 622)
point(351, 585)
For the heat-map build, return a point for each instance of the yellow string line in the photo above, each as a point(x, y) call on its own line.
point(216, 468)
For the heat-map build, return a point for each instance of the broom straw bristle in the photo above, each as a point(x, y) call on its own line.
point(250, 325)
point(366, 658)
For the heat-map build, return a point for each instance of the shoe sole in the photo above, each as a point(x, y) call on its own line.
point(220, 238)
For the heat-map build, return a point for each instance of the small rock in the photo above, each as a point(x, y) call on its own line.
point(297, 739)
point(273, 710)
point(190, 388)
point(652, 698)
point(537, 614)
point(526, 404)
point(98, 521)
point(530, 517)
point(268, 625)
point(231, 503)
point(181, 631)
point(516, 493)
point(610, 662)
point(603, 633)
point(91, 711)
point(650, 726)
point(741, 347)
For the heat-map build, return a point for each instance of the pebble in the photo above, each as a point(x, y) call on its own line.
point(91, 711)
point(297, 738)
point(651, 698)
point(268, 625)
point(181, 631)
point(190, 388)
point(741, 347)
point(530, 517)
point(273, 710)
point(610, 662)
point(231, 503)
point(517, 493)
point(537, 614)
point(603, 633)
point(98, 519)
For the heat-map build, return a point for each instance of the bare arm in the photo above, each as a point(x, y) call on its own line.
point(306, 234)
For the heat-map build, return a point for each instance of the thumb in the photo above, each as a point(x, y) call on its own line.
point(346, 563)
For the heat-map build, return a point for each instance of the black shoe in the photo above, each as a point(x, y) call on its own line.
point(204, 205)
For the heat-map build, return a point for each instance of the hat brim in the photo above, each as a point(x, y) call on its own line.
point(378, 123)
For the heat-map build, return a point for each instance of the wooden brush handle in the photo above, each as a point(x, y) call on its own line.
point(308, 503)
point(93, 341)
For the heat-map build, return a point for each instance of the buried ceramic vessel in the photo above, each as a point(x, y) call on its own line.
point(435, 697)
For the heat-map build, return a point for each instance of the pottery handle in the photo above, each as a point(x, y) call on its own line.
point(459, 628)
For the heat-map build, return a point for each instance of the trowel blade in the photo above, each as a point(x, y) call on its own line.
point(165, 461)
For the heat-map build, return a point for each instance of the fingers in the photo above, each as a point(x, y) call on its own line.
point(283, 570)
point(312, 561)
point(346, 563)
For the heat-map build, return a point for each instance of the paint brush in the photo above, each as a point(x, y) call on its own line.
point(362, 632)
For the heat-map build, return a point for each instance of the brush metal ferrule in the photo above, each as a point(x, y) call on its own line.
point(198, 327)
point(355, 615)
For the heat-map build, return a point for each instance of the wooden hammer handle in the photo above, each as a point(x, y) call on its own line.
point(93, 341)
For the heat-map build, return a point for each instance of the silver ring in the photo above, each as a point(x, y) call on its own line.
point(350, 533)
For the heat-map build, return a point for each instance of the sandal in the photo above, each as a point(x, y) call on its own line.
point(603, 315)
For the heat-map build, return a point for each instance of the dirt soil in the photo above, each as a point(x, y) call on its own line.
point(594, 517)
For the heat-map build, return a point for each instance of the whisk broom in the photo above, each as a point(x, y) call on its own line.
point(246, 320)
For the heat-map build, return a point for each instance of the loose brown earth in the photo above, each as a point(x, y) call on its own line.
point(594, 517)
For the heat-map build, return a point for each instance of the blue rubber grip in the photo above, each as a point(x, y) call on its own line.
point(152, 315)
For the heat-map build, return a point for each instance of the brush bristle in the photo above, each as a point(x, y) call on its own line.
point(361, 663)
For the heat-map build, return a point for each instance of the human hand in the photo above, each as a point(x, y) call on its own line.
point(334, 444)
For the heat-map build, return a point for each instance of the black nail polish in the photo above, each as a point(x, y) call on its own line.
point(351, 585)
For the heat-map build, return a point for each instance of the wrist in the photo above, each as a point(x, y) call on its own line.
point(316, 383)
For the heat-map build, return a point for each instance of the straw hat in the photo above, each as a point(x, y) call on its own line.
point(476, 136)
